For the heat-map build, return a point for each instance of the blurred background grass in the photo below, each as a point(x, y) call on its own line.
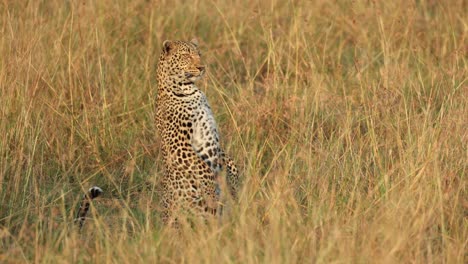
point(347, 118)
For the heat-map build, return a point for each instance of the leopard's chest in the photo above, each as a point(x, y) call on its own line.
point(189, 125)
point(205, 129)
point(190, 115)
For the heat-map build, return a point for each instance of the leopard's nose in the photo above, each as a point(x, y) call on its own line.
point(201, 68)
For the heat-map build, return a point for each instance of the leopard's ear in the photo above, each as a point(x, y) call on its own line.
point(194, 41)
point(167, 46)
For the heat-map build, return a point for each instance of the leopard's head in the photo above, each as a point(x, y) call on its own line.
point(180, 61)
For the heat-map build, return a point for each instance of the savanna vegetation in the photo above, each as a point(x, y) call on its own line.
point(348, 120)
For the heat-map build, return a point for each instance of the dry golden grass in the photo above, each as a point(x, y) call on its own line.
point(349, 120)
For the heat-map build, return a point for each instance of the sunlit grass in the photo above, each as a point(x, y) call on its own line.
point(348, 120)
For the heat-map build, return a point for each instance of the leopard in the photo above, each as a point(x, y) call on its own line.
point(93, 193)
point(190, 142)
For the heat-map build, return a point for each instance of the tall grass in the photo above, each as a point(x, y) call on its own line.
point(348, 120)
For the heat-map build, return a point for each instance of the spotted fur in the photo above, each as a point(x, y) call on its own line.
point(92, 193)
point(192, 155)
